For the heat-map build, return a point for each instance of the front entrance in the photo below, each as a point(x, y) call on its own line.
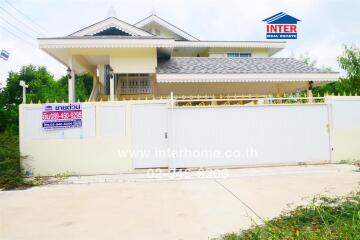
point(149, 140)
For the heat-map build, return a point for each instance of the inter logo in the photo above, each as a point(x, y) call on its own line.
point(281, 26)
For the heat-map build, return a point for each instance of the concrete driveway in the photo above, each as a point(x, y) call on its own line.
point(133, 206)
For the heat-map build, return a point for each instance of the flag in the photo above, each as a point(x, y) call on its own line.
point(4, 55)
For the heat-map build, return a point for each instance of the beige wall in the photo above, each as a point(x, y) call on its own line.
point(134, 60)
point(82, 155)
point(344, 128)
point(221, 52)
point(75, 156)
point(190, 53)
point(97, 153)
point(155, 28)
point(346, 144)
point(124, 60)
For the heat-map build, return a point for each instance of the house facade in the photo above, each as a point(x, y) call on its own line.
point(152, 58)
point(210, 125)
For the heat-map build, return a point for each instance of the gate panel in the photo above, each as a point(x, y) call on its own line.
point(149, 127)
point(249, 135)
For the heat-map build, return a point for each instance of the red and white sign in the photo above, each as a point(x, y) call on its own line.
point(62, 115)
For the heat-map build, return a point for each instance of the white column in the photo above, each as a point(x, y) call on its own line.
point(112, 88)
point(100, 67)
point(95, 78)
point(71, 87)
point(71, 82)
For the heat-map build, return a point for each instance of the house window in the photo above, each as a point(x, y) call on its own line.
point(238, 54)
point(135, 84)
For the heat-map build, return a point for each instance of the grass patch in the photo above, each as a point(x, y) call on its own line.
point(11, 172)
point(324, 218)
point(351, 162)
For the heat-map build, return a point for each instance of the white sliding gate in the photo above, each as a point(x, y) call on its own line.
point(249, 135)
point(229, 135)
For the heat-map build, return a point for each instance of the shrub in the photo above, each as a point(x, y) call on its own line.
point(11, 174)
point(325, 218)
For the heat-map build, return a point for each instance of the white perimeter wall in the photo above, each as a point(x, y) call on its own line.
point(345, 128)
point(240, 135)
point(93, 149)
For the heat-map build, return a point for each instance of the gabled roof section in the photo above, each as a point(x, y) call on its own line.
point(165, 24)
point(281, 18)
point(111, 23)
point(112, 31)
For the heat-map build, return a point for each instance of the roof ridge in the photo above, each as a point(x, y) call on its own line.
point(106, 20)
point(172, 25)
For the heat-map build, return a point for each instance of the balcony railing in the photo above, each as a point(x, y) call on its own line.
point(134, 84)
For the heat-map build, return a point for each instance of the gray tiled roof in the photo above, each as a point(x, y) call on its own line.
point(205, 65)
point(112, 37)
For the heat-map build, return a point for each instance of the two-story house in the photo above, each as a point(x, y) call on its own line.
point(153, 58)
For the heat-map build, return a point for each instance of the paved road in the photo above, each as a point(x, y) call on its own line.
point(134, 206)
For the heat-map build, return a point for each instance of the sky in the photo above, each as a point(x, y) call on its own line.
point(326, 25)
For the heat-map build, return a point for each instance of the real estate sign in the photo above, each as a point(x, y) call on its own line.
point(61, 115)
point(281, 26)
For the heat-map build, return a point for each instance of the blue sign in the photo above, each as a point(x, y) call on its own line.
point(63, 124)
point(281, 26)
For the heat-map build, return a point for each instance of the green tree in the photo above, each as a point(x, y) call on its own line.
point(42, 87)
point(350, 62)
point(307, 59)
point(83, 86)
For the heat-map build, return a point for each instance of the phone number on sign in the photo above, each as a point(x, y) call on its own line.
point(62, 115)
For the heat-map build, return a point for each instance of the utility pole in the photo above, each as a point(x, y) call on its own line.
point(24, 86)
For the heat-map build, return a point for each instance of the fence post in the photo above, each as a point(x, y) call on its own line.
point(24, 86)
point(309, 92)
point(171, 131)
point(328, 101)
point(172, 100)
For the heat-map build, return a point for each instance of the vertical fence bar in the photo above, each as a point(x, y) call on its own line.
point(328, 101)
